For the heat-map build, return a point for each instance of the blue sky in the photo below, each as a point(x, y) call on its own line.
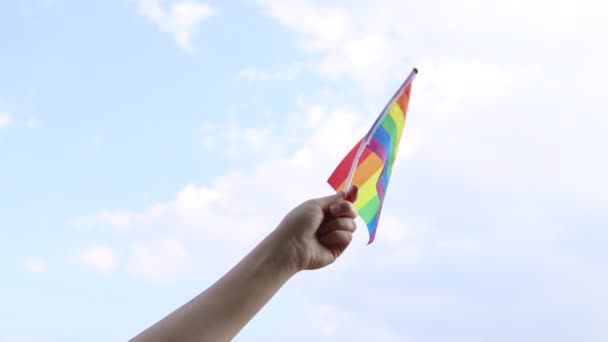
point(147, 145)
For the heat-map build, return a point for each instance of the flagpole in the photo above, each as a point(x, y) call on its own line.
point(371, 132)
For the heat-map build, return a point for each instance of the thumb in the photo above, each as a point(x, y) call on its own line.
point(326, 201)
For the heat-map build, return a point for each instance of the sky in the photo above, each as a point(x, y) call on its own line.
point(147, 145)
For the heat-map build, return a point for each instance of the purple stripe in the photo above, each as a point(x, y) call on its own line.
point(377, 147)
point(380, 188)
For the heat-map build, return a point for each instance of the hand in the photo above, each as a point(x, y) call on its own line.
point(317, 231)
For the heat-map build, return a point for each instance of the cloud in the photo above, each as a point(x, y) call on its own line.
point(330, 323)
point(235, 141)
point(100, 258)
point(209, 140)
point(362, 41)
point(370, 42)
point(234, 209)
point(461, 88)
point(114, 219)
point(181, 19)
point(5, 120)
point(35, 266)
point(160, 260)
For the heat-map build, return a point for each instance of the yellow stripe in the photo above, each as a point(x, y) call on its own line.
point(397, 114)
point(367, 191)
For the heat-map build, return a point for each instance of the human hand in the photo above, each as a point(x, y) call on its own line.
point(316, 232)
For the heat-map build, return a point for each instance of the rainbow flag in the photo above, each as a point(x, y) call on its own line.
point(370, 162)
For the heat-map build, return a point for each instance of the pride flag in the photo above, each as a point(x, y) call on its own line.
point(370, 162)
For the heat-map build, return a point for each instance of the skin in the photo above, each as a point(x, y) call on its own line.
point(311, 236)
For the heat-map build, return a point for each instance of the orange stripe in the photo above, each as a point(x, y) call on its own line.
point(365, 170)
point(404, 99)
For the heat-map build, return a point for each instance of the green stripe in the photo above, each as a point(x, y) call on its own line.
point(391, 128)
point(370, 209)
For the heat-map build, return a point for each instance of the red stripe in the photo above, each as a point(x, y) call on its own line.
point(341, 172)
point(404, 99)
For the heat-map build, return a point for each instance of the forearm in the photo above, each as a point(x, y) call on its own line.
point(221, 311)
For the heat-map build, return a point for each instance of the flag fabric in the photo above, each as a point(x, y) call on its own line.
point(370, 162)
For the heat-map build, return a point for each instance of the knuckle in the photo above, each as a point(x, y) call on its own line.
point(351, 208)
point(349, 224)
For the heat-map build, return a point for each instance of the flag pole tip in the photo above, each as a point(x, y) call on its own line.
point(416, 70)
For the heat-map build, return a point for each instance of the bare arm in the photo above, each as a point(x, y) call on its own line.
point(311, 236)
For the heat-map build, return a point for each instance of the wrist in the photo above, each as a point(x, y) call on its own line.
point(280, 255)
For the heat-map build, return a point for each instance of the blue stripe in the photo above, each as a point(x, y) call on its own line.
point(384, 139)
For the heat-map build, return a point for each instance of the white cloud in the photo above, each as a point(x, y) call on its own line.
point(353, 41)
point(371, 42)
point(35, 266)
point(324, 320)
point(332, 323)
point(100, 258)
point(329, 29)
point(235, 210)
point(160, 260)
point(321, 136)
point(119, 220)
point(257, 138)
point(445, 87)
point(182, 18)
point(5, 120)
point(235, 141)
point(210, 137)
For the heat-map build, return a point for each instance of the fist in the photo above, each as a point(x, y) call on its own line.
point(317, 231)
